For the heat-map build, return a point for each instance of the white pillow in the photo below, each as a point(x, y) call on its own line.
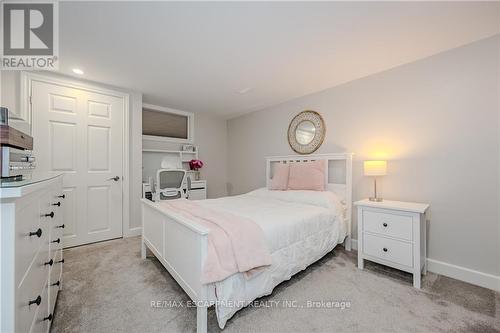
point(324, 199)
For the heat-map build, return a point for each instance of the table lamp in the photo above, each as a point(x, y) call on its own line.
point(374, 169)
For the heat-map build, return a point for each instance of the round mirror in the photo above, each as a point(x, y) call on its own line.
point(305, 132)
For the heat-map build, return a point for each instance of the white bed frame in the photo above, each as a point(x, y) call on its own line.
point(181, 245)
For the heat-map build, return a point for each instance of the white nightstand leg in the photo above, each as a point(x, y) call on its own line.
point(143, 249)
point(361, 262)
point(416, 280)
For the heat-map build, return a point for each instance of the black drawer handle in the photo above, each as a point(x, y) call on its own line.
point(62, 196)
point(384, 249)
point(60, 261)
point(36, 233)
point(56, 283)
point(36, 301)
point(51, 215)
point(49, 317)
point(385, 224)
point(50, 263)
point(60, 226)
point(57, 240)
point(58, 204)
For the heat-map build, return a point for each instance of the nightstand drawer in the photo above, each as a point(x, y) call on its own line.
point(388, 249)
point(394, 225)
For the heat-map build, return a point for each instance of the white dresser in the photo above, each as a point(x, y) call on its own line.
point(31, 230)
point(393, 233)
point(198, 190)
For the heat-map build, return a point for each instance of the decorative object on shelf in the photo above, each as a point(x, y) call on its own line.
point(374, 169)
point(195, 165)
point(190, 148)
point(17, 161)
point(306, 132)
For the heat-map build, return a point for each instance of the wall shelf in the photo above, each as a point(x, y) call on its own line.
point(185, 156)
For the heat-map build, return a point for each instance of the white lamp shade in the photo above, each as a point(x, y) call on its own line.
point(375, 168)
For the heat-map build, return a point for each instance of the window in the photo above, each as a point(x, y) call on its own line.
point(164, 124)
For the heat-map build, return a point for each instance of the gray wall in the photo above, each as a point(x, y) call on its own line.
point(434, 120)
point(10, 89)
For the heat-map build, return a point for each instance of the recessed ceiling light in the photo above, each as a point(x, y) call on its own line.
point(245, 90)
point(77, 71)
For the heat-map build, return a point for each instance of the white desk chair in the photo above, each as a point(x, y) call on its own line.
point(170, 184)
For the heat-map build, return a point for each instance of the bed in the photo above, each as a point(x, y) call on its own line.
point(300, 227)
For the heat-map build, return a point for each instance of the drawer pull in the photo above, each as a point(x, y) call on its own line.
point(60, 226)
point(56, 283)
point(384, 249)
point(51, 215)
point(62, 196)
point(36, 233)
point(50, 263)
point(49, 317)
point(385, 224)
point(60, 261)
point(36, 301)
point(57, 240)
point(58, 204)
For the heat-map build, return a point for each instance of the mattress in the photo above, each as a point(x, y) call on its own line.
point(298, 230)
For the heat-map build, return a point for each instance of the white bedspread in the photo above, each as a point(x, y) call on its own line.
point(298, 234)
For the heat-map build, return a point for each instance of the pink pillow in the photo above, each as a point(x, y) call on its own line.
point(280, 177)
point(307, 176)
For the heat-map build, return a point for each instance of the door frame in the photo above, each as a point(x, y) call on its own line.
point(27, 79)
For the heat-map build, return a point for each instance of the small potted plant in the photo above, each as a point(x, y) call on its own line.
point(196, 165)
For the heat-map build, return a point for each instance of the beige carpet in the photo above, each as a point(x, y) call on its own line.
point(108, 288)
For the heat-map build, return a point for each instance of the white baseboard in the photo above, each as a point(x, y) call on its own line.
point(137, 231)
point(477, 278)
point(471, 276)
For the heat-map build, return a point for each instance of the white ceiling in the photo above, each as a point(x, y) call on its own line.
point(198, 56)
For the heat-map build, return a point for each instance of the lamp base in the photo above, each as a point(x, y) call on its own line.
point(375, 199)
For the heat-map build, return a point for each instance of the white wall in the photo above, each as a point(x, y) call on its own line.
point(10, 90)
point(210, 135)
point(435, 120)
point(10, 97)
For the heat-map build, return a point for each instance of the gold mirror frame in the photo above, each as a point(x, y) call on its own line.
point(319, 136)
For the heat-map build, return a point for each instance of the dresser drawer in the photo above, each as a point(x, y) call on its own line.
point(41, 323)
point(28, 221)
point(56, 223)
point(55, 280)
point(30, 288)
point(389, 224)
point(197, 194)
point(388, 249)
point(56, 236)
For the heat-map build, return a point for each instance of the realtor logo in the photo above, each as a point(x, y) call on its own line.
point(29, 35)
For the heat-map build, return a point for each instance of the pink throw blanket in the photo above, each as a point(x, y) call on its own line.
point(235, 244)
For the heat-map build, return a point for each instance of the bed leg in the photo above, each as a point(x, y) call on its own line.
point(201, 319)
point(143, 249)
point(347, 243)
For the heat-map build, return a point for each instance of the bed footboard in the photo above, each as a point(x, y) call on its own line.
point(181, 246)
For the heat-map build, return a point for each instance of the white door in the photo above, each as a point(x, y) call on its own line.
point(80, 133)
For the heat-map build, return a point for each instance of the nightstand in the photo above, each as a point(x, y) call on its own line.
point(393, 233)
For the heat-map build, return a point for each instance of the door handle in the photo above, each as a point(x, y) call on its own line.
point(115, 178)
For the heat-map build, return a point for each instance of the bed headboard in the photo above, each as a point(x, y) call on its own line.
point(338, 177)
